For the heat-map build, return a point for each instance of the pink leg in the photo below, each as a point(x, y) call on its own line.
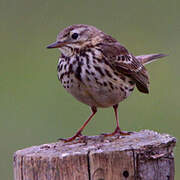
point(79, 132)
point(117, 130)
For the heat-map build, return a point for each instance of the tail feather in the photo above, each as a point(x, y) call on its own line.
point(148, 58)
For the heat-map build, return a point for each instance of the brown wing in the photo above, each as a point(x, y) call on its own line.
point(127, 64)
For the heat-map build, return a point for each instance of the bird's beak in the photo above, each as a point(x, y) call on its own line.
point(56, 44)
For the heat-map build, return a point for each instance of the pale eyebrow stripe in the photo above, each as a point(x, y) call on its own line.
point(79, 30)
point(83, 31)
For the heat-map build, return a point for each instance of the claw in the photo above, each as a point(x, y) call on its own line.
point(117, 132)
point(78, 134)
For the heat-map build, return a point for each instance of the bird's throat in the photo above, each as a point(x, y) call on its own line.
point(66, 51)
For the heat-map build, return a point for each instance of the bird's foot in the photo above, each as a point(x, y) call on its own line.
point(70, 139)
point(117, 132)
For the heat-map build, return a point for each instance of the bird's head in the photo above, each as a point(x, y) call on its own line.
point(77, 37)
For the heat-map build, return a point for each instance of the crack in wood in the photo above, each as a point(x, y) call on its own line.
point(88, 165)
point(22, 177)
point(144, 155)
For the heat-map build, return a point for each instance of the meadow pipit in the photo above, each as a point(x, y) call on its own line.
point(98, 71)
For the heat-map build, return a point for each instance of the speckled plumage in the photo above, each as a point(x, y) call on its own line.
point(97, 70)
point(95, 83)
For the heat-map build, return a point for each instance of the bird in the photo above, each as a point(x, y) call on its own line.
point(99, 71)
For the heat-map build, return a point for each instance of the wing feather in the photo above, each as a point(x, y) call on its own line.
point(125, 63)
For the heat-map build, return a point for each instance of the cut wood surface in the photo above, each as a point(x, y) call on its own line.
point(144, 155)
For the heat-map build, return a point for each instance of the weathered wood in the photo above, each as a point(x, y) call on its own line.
point(144, 155)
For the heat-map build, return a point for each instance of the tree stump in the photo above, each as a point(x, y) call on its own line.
point(144, 155)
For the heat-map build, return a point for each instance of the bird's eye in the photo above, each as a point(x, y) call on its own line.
point(74, 35)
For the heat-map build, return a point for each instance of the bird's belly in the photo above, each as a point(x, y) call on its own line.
point(96, 94)
point(106, 97)
point(78, 90)
point(99, 87)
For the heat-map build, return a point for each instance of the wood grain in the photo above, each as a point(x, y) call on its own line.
point(144, 155)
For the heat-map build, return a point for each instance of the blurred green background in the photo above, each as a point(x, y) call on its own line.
point(35, 109)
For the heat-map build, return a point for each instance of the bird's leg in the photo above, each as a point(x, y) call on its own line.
point(79, 132)
point(117, 130)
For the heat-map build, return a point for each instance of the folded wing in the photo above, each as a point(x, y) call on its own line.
point(125, 63)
